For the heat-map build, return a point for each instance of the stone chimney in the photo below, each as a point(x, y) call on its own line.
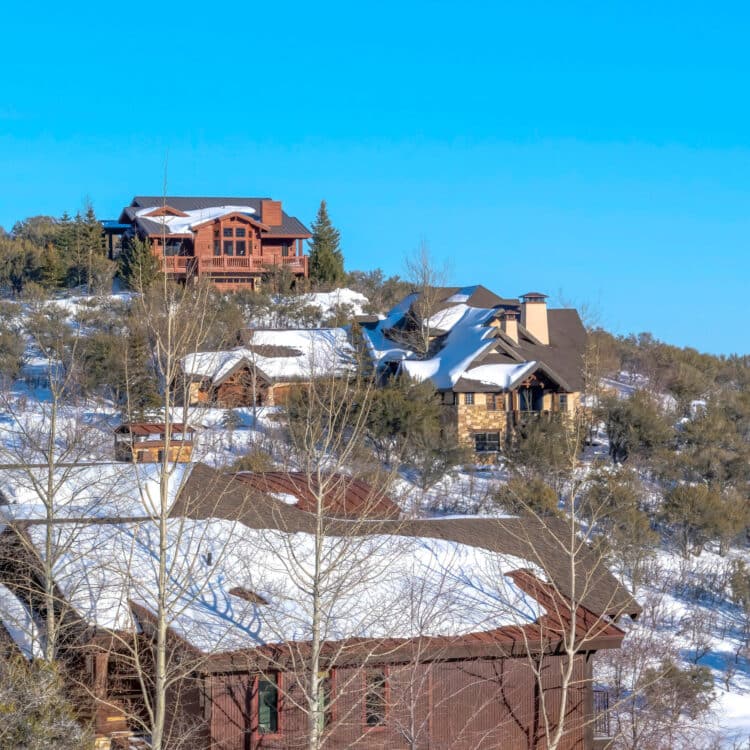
point(534, 315)
point(270, 213)
point(509, 324)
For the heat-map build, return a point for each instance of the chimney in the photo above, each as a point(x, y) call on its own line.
point(534, 315)
point(270, 213)
point(509, 324)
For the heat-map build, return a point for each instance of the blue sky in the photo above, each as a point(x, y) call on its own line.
point(599, 152)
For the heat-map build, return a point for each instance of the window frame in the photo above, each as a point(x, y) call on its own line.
point(485, 441)
point(256, 704)
point(468, 399)
point(228, 244)
point(243, 252)
point(240, 232)
point(381, 725)
point(227, 232)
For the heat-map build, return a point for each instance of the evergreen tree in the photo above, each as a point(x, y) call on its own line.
point(139, 267)
point(326, 258)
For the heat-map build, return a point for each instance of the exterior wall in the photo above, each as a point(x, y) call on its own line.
point(479, 704)
point(149, 453)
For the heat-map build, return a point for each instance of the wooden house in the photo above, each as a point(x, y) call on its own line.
point(234, 242)
point(464, 680)
point(496, 363)
point(263, 372)
point(145, 442)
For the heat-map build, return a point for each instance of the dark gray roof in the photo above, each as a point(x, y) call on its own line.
point(290, 225)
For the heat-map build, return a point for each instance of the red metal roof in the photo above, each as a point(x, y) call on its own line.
point(153, 428)
point(344, 497)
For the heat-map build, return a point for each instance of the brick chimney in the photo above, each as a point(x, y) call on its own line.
point(270, 213)
point(534, 315)
point(509, 324)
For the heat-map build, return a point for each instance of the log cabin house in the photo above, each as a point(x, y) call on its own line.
point(145, 442)
point(462, 679)
point(232, 241)
point(496, 363)
point(270, 365)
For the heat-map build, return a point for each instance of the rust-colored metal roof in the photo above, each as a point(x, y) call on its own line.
point(152, 428)
point(343, 497)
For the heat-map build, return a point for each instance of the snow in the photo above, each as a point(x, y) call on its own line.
point(467, 339)
point(87, 490)
point(502, 376)
point(20, 625)
point(186, 224)
point(327, 302)
point(318, 351)
point(453, 589)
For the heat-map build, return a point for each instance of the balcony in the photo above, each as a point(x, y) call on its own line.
point(177, 264)
point(251, 264)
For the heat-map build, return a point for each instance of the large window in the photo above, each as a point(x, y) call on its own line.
point(228, 247)
point(375, 697)
point(240, 246)
point(217, 247)
point(268, 706)
point(486, 442)
point(284, 249)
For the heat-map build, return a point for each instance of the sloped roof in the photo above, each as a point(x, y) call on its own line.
point(471, 354)
point(290, 225)
point(345, 497)
point(278, 354)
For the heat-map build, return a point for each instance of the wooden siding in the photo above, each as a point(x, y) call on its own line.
point(477, 704)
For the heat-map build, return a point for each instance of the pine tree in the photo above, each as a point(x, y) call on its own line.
point(139, 268)
point(326, 258)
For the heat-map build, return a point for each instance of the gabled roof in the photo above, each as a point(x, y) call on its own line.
point(278, 355)
point(468, 351)
point(290, 225)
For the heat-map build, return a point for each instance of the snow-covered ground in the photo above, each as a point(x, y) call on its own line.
point(695, 611)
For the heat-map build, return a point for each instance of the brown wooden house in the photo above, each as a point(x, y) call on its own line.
point(497, 363)
point(270, 366)
point(234, 242)
point(145, 442)
point(468, 690)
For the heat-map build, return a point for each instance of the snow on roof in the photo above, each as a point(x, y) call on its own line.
point(87, 490)
point(503, 376)
point(326, 302)
point(319, 351)
point(20, 625)
point(463, 294)
point(391, 586)
point(468, 336)
point(185, 224)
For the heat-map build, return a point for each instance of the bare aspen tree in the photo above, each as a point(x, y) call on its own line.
point(427, 280)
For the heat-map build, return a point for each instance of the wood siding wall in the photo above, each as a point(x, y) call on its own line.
point(483, 704)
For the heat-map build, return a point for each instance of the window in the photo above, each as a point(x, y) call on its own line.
point(239, 232)
point(268, 706)
point(228, 232)
point(494, 401)
point(469, 399)
point(285, 250)
point(217, 247)
point(486, 442)
point(240, 246)
point(228, 247)
point(375, 701)
point(563, 402)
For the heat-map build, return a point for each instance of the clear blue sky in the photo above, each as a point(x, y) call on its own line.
point(596, 151)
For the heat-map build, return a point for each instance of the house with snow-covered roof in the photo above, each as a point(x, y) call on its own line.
point(438, 624)
point(233, 241)
point(496, 362)
point(265, 370)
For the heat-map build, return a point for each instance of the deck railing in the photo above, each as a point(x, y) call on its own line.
point(602, 727)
